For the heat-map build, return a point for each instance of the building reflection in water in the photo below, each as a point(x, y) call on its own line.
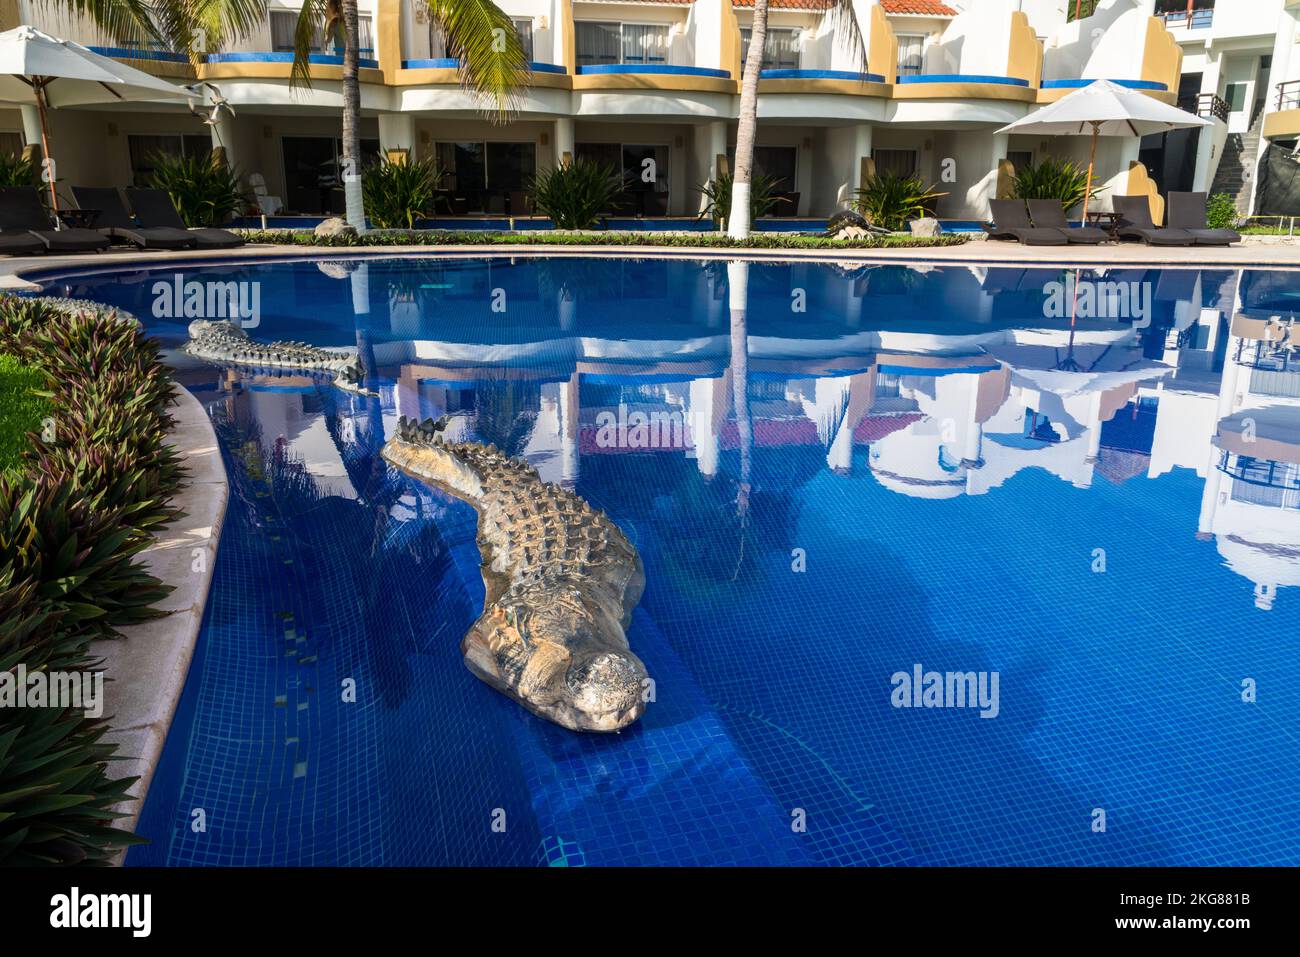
point(934, 383)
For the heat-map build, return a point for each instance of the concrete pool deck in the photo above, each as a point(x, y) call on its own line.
point(1253, 252)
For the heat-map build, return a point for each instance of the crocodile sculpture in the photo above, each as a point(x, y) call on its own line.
point(561, 583)
point(224, 342)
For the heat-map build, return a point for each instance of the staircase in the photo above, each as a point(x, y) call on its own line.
point(1237, 163)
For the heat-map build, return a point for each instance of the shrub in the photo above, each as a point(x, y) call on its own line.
point(1054, 179)
point(397, 194)
point(717, 198)
point(574, 196)
point(73, 520)
point(16, 171)
point(1221, 211)
point(889, 200)
point(21, 409)
point(206, 191)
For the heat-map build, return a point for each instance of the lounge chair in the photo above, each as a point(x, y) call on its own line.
point(116, 222)
point(19, 242)
point(1135, 223)
point(1187, 212)
point(21, 211)
point(1011, 221)
point(1051, 213)
point(153, 207)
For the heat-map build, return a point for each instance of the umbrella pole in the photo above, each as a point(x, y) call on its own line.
point(1092, 160)
point(45, 144)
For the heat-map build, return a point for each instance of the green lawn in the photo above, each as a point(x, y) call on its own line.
point(20, 410)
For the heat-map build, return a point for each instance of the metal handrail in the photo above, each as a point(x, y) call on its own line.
point(1268, 357)
point(1288, 95)
point(1196, 20)
point(1212, 105)
point(1261, 472)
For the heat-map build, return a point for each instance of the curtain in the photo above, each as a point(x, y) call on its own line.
point(780, 52)
point(645, 43)
point(910, 54)
point(597, 42)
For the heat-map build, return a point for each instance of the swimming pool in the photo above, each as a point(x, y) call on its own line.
point(846, 472)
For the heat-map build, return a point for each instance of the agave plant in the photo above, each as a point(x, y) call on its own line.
point(574, 196)
point(1053, 179)
point(763, 198)
point(206, 191)
point(889, 200)
point(397, 194)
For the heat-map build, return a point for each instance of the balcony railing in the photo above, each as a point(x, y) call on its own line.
point(1212, 106)
point(1288, 95)
point(1265, 356)
point(1196, 20)
point(1261, 472)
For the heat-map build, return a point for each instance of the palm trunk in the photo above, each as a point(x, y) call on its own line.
point(747, 128)
point(355, 209)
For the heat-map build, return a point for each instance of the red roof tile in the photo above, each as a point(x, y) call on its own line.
point(788, 4)
point(920, 8)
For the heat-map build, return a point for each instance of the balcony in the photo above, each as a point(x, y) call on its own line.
point(1283, 121)
point(1186, 14)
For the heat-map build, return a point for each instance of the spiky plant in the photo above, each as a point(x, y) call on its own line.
point(575, 196)
point(889, 200)
point(206, 192)
point(1054, 179)
point(763, 198)
point(397, 194)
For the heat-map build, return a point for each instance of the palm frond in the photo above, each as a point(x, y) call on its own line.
point(848, 32)
point(128, 22)
point(316, 17)
point(492, 60)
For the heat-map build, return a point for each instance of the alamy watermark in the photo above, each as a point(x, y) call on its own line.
point(1098, 299)
point(83, 690)
point(640, 430)
point(237, 300)
point(946, 689)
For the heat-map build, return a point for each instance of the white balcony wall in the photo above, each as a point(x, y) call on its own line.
point(1106, 46)
point(975, 42)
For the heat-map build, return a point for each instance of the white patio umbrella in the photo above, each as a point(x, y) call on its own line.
point(38, 68)
point(1107, 109)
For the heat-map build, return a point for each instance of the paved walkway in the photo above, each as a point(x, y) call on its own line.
point(1265, 251)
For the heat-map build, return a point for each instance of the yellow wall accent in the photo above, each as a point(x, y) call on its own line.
point(388, 38)
point(1024, 51)
point(1141, 184)
point(823, 85)
point(1006, 187)
point(1054, 94)
point(1162, 57)
point(9, 14)
point(729, 27)
point(882, 46)
point(964, 91)
point(566, 24)
point(280, 71)
point(1283, 123)
point(655, 81)
point(450, 76)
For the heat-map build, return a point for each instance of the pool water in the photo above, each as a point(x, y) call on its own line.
point(845, 472)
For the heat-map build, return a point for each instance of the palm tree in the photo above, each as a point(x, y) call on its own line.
point(491, 59)
point(844, 22)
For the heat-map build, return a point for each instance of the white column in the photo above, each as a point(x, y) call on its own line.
point(397, 132)
point(707, 409)
point(861, 148)
point(569, 411)
point(717, 140)
point(563, 139)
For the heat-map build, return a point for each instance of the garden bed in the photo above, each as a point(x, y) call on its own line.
point(83, 499)
point(437, 237)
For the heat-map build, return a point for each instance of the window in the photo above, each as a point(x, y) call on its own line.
point(443, 47)
point(898, 162)
point(144, 148)
point(632, 43)
point(778, 164)
point(1235, 94)
point(780, 49)
point(645, 173)
point(1020, 158)
point(911, 54)
point(483, 175)
point(311, 172)
point(282, 27)
point(11, 143)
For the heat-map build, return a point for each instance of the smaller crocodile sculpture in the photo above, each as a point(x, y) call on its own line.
point(222, 341)
point(561, 583)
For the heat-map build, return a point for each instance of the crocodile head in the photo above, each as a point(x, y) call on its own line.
point(205, 327)
point(561, 661)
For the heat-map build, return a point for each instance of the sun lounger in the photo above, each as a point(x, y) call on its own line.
point(1187, 212)
point(21, 211)
point(1050, 213)
point(116, 222)
point(153, 207)
point(1011, 221)
point(1135, 223)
